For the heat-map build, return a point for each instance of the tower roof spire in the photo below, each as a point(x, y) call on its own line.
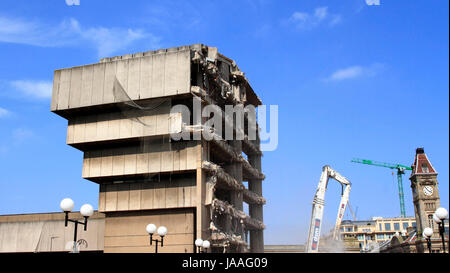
point(422, 164)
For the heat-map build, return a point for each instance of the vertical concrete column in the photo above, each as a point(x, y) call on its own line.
point(202, 221)
point(235, 170)
point(256, 210)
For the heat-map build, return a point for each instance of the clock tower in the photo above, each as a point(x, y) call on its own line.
point(424, 186)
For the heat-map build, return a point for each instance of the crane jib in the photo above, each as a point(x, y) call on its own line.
point(400, 170)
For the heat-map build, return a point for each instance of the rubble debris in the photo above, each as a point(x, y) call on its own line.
point(222, 176)
point(223, 207)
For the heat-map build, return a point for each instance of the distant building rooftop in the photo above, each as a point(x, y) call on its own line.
point(284, 248)
point(358, 223)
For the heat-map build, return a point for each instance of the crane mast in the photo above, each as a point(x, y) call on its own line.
point(318, 206)
point(400, 171)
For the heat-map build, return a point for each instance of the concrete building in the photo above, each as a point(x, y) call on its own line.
point(413, 243)
point(377, 230)
point(120, 115)
point(139, 120)
point(45, 232)
point(284, 249)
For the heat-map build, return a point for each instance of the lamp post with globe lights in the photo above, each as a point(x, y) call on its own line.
point(199, 243)
point(439, 217)
point(86, 211)
point(162, 231)
point(427, 233)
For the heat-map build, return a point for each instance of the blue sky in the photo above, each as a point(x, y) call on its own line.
point(350, 80)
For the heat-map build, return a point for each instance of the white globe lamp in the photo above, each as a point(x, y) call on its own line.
point(199, 242)
point(66, 205)
point(441, 213)
point(162, 231)
point(151, 228)
point(206, 244)
point(427, 232)
point(87, 210)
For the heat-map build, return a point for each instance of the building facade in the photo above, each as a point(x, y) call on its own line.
point(376, 230)
point(425, 191)
point(139, 120)
point(45, 232)
point(413, 243)
point(426, 200)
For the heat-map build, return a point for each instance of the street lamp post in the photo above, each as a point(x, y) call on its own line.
point(86, 210)
point(439, 217)
point(162, 231)
point(427, 233)
point(199, 243)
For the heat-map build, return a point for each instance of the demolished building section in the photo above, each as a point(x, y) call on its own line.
point(119, 115)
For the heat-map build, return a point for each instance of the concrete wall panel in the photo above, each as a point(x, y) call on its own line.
point(79, 129)
point(156, 194)
point(64, 89)
point(122, 77)
point(90, 127)
point(171, 74)
point(98, 82)
point(75, 87)
point(158, 73)
point(184, 71)
point(46, 232)
point(111, 198)
point(135, 196)
point(134, 68)
point(55, 89)
point(86, 85)
point(108, 85)
point(147, 159)
point(106, 163)
point(125, 232)
point(70, 128)
point(145, 77)
point(122, 125)
point(102, 126)
point(152, 76)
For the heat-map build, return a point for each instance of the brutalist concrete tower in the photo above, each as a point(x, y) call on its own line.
point(123, 113)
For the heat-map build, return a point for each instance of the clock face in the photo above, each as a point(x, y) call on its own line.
point(428, 190)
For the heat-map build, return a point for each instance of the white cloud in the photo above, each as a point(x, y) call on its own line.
point(300, 16)
point(70, 33)
point(356, 71)
point(321, 13)
point(306, 21)
point(4, 112)
point(110, 40)
point(347, 73)
point(34, 89)
point(32, 32)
